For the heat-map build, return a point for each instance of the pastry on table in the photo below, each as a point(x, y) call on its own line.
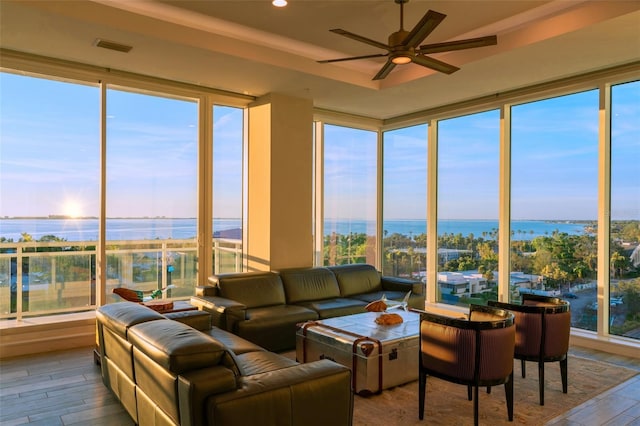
point(389, 319)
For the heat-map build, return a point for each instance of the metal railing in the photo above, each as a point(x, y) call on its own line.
point(55, 277)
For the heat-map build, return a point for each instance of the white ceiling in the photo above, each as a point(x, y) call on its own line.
point(251, 47)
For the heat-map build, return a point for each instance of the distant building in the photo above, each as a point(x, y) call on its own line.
point(635, 257)
point(522, 280)
point(446, 254)
point(457, 283)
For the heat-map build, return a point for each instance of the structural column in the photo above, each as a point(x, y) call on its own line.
point(279, 211)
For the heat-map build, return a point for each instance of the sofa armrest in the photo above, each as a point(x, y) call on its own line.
point(206, 290)
point(402, 284)
point(225, 313)
point(288, 396)
point(196, 386)
point(200, 320)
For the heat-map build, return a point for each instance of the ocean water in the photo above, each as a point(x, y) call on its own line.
point(163, 228)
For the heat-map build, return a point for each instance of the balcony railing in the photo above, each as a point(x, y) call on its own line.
point(48, 278)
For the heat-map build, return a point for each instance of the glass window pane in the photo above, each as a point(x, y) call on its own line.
point(227, 189)
point(625, 211)
point(468, 173)
point(49, 175)
point(405, 202)
point(554, 201)
point(151, 194)
point(350, 163)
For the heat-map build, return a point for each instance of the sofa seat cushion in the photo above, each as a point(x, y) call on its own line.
point(251, 363)
point(307, 284)
point(120, 316)
point(179, 348)
point(337, 307)
point(357, 278)
point(235, 344)
point(273, 315)
point(252, 289)
point(274, 327)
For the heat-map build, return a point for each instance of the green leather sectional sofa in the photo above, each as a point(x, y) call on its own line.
point(178, 370)
point(264, 307)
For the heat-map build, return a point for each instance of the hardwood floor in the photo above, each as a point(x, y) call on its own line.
point(60, 388)
point(65, 388)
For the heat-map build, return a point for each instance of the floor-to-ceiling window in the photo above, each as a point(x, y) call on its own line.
point(52, 201)
point(468, 166)
point(554, 201)
point(49, 197)
point(151, 197)
point(624, 289)
point(404, 208)
point(350, 195)
point(228, 138)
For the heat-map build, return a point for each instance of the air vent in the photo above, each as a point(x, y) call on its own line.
point(112, 45)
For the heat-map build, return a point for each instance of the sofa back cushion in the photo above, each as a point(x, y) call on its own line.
point(252, 289)
point(120, 316)
point(302, 285)
point(357, 278)
point(179, 348)
point(163, 352)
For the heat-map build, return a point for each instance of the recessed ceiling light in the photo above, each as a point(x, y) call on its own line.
point(279, 3)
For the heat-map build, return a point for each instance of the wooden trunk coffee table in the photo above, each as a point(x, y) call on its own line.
point(380, 356)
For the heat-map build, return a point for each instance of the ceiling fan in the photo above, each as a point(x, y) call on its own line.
point(403, 45)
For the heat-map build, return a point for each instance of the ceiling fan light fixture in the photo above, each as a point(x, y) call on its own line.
point(404, 46)
point(279, 3)
point(401, 59)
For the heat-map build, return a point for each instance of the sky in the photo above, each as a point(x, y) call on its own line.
point(50, 165)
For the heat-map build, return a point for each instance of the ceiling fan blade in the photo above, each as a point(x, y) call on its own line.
point(353, 58)
point(385, 70)
point(360, 38)
point(434, 64)
point(458, 45)
point(427, 24)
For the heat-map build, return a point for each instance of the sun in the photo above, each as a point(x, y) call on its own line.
point(72, 208)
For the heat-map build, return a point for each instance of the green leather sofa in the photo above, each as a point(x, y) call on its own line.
point(166, 372)
point(264, 307)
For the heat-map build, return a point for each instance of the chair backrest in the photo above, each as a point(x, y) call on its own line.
point(543, 325)
point(478, 349)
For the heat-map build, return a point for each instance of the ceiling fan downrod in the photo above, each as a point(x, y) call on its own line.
point(401, 3)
